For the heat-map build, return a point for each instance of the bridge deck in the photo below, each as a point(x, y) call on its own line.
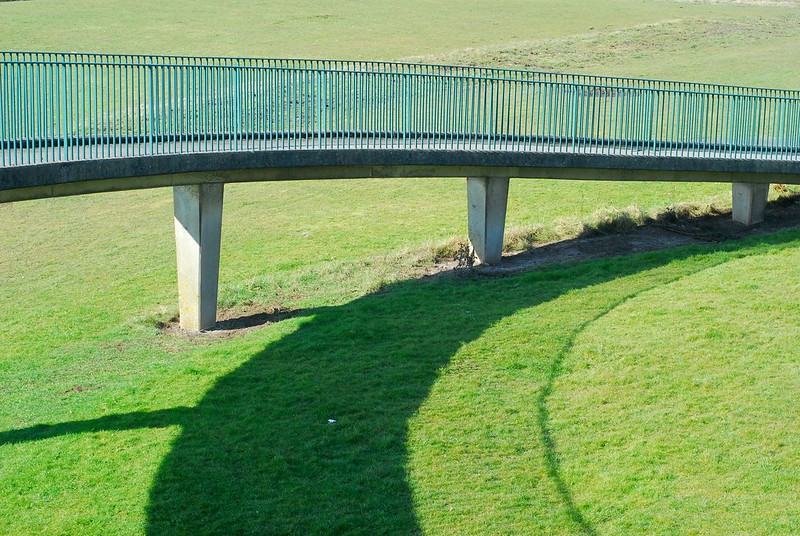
point(91, 168)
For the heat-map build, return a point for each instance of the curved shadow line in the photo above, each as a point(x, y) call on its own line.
point(546, 433)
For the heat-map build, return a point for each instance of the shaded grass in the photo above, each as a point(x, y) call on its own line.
point(449, 412)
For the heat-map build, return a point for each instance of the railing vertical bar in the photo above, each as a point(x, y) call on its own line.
point(34, 88)
point(129, 109)
point(308, 113)
point(417, 119)
point(22, 112)
point(784, 137)
point(183, 116)
point(743, 126)
point(82, 126)
point(511, 130)
point(106, 119)
point(775, 121)
point(114, 111)
point(796, 130)
point(150, 101)
point(209, 108)
point(193, 75)
point(498, 115)
point(33, 111)
point(6, 140)
point(684, 123)
point(14, 98)
point(748, 128)
point(94, 112)
point(67, 124)
point(358, 116)
point(789, 121)
point(62, 74)
point(474, 108)
point(761, 127)
point(739, 130)
point(27, 112)
point(529, 115)
point(90, 94)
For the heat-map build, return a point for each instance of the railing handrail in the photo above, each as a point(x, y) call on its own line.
point(564, 83)
point(81, 105)
point(729, 88)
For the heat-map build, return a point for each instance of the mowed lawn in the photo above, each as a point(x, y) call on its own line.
point(647, 394)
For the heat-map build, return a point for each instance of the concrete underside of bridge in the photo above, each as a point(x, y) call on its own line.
point(198, 181)
point(129, 173)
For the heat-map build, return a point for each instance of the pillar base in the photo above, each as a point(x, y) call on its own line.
point(198, 229)
point(487, 198)
point(749, 202)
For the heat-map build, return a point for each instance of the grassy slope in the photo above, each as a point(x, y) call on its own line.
point(58, 334)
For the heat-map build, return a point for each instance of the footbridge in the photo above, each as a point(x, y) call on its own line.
point(84, 123)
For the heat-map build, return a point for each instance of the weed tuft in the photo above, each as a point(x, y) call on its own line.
point(680, 212)
point(158, 319)
point(613, 221)
point(525, 238)
point(465, 256)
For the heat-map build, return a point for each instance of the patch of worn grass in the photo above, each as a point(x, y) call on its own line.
point(649, 50)
point(770, 3)
point(627, 37)
point(338, 28)
point(585, 51)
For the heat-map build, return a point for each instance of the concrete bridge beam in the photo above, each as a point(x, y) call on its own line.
point(749, 202)
point(198, 228)
point(487, 198)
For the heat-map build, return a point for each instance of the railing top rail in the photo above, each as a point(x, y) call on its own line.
point(486, 72)
point(784, 95)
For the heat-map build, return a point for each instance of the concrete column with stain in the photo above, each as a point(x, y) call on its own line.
point(198, 229)
point(749, 202)
point(487, 199)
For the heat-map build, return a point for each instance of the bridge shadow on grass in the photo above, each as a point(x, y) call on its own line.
point(258, 454)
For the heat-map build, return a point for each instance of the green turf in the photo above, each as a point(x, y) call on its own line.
point(455, 411)
point(552, 402)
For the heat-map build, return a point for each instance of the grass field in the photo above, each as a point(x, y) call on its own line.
point(645, 394)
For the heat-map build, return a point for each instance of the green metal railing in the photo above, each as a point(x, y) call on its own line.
point(58, 107)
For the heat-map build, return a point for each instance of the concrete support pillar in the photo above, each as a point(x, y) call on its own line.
point(198, 227)
point(749, 202)
point(487, 198)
